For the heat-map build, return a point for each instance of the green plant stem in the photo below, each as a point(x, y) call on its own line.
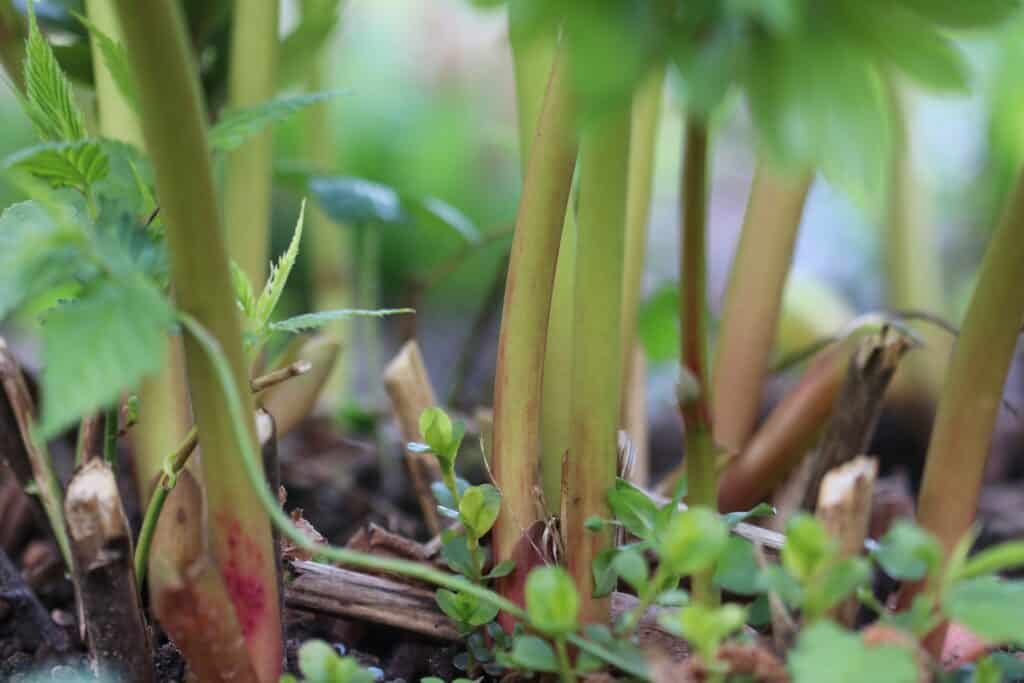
point(110, 425)
point(753, 300)
point(642, 152)
point(173, 464)
point(173, 123)
point(332, 244)
point(700, 452)
point(251, 75)
point(524, 324)
point(912, 260)
point(533, 54)
point(12, 43)
point(163, 410)
point(564, 665)
point(414, 570)
point(596, 358)
point(972, 395)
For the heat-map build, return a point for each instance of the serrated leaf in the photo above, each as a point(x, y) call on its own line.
point(243, 291)
point(115, 57)
point(37, 254)
point(990, 607)
point(77, 164)
point(49, 98)
point(826, 654)
point(98, 346)
point(279, 273)
point(238, 125)
point(313, 321)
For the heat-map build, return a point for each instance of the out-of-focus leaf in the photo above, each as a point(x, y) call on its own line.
point(300, 49)
point(658, 325)
point(100, 345)
point(238, 125)
point(826, 654)
point(990, 607)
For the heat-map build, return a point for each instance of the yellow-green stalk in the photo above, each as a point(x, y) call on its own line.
point(972, 395)
point(253, 63)
point(173, 126)
point(163, 405)
point(642, 148)
point(332, 248)
point(753, 300)
point(694, 402)
point(520, 364)
point(596, 357)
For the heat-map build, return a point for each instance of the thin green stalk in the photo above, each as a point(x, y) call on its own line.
point(912, 260)
point(344, 556)
point(110, 425)
point(642, 151)
point(163, 409)
point(173, 464)
point(596, 358)
point(753, 300)
point(173, 123)
point(520, 364)
point(251, 78)
point(972, 395)
point(332, 244)
point(533, 54)
point(564, 666)
point(700, 454)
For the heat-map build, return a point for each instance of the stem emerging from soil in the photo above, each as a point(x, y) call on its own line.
point(175, 135)
point(596, 357)
point(524, 325)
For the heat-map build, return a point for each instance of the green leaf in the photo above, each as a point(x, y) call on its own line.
point(279, 273)
point(839, 582)
point(530, 653)
point(908, 552)
point(38, 253)
point(436, 429)
point(313, 321)
point(990, 607)
point(465, 609)
point(357, 201)
point(737, 570)
point(706, 627)
point(632, 567)
point(633, 508)
point(115, 57)
point(807, 548)
point(603, 571)
point(479, 507)
point(994, 560)
point(238, 125)
point(759, 510)
point(98, 346)
point(455, 552)
point(552, 602)
point(774, 579)
point(316, 660)
point(501, 569)
point(987, 671)
point(243, 291)
point(49, 98)
point(910, 44)
point(958, 14)
point(77, 164)
point(693, 541)
point(826, 654)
